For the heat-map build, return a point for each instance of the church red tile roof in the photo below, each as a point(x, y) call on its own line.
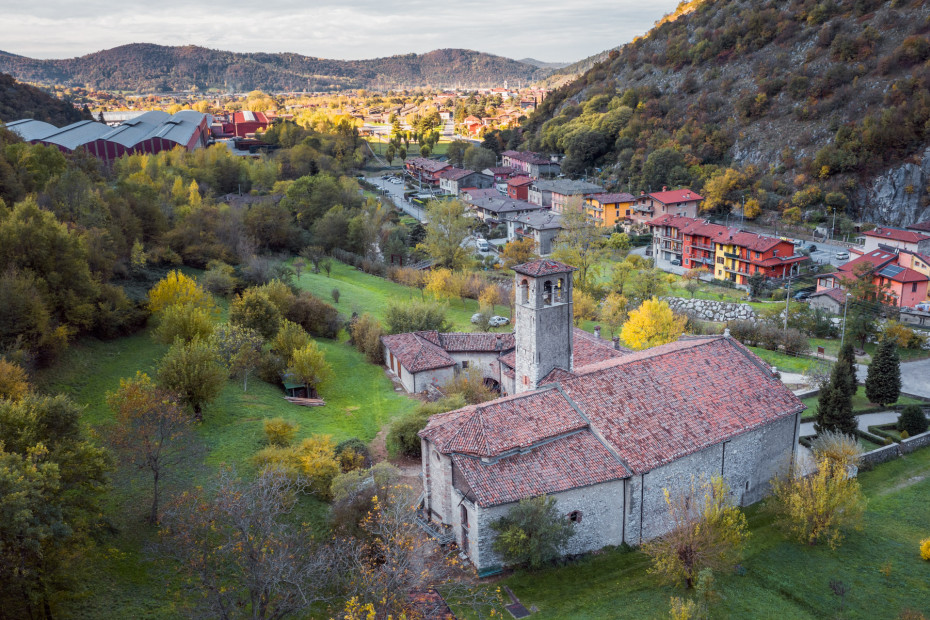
point(586, 349)
point(649, 408)
point(418, 351)
point(543, 267)
point(476, 341)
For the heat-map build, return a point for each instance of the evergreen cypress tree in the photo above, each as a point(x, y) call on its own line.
point(834, 411)
point(883, 383)
point(844, 371)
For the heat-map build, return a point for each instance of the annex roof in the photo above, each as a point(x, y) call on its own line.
point(498, 204)
point(418, 351)
point(519, 181)
point(645, 409)
point(543, 219)
point(836, 294)
point(922, 227)
point(455, 173)
point(543, 267)
point(895, 234)
point(586, 349)
point(485, 342)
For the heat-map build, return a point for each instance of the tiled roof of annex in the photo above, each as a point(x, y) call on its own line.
point(645, 409)
point(587, 349)
point(476, 341)
point(418, 351)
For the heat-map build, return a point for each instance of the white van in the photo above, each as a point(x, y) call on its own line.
point(482, 245)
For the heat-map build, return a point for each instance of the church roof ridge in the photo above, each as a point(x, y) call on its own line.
point(543, 267)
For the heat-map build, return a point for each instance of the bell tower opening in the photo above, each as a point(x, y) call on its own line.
point(543, 321)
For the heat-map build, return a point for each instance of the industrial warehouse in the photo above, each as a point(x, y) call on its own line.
point(151, 132)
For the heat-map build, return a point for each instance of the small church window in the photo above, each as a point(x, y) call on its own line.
point(547, 293)
point(464, 364)
point(575, 516)
point(525, 291)
point(464, 516)
point(560, 291)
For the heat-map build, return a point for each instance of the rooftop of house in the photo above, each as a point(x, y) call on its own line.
point(675, 196)
point(519, 181)
point(478, 342)
point(427, 165)
point(498, 204)
point(610, 419)
point(543, 219)
point(528, 157)
point(876, 258)
point(836, 294)
point(543, 267)
point(567, 187)
point(609, 199)
point(246, 116)
point(922, 227)
point(455, 174)
point(895, 234)
point(722, 234)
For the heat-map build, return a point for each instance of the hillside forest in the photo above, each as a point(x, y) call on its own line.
point(795, 110)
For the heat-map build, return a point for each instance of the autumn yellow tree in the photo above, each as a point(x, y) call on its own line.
point(519, 252)
point(820, 506)
point(708, 531)
point(177, 289)
point(613, 311)
point(651, 325)
point(193, 196)
point(439, 283)
point(308, 365)
point(584, 306)
point(14, 385)
point(490, 296)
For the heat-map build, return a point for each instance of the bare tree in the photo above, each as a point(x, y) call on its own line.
point(240, 552)
point(153, 431)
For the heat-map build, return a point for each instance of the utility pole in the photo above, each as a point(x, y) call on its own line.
point(787, 301)
point(845, 308)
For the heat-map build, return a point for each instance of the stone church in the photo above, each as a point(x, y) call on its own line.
point(603, 433)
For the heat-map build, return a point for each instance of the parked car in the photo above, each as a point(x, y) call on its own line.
point(482, 245)
point(801, 295)
point(798, 242)
point(476, 318)
point(923, 306)
point(497, 321)
point(842, 255)
point(676, 262)
point(811, 248)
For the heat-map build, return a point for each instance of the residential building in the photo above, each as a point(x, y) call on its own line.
point(831, 300)
point(531, 164)
point(609, 209)
point(608, 440)
point(454, 180)
point(243, 123)
point(542, 226)
point(426, 170)
point(729, 253)
point(518, 187)
point(898, 285)
point(492, 207)
point(682, 202)
point(895, 238)
point(557, 194)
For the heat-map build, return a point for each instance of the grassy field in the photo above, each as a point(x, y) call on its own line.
point(778, 578)
point(832, 348)
point(359, 402)
point(784, 362)
point(860, 402)
point(361, 292)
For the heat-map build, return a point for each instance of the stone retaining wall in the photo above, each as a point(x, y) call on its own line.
point(881, 455)
point(912, 443)
point(709, 310)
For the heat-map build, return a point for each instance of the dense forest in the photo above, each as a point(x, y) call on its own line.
point(796, 108)
point(23, 101)
point(143, 67)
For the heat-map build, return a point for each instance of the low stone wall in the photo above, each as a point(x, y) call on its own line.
point(881, 455)
point(912, 443)
point(709, 310)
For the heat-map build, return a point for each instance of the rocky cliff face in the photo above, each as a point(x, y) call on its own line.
point(899, 196)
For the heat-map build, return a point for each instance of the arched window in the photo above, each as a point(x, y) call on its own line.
point(575, 516)
point(464, 516)
point(525, 292)
point(560, 291)
point(547, 293)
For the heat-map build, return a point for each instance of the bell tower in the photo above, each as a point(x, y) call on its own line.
point(543, 321)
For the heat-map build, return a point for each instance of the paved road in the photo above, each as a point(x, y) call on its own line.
point(865, 420)
point(915, 377)
point(396, 193)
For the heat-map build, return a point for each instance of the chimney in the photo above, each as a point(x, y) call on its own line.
point(726, 332)
point(617, 342)
point(597, 332)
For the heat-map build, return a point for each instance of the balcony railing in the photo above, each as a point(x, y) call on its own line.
point(700, 246)
point(735, 270)
point(731, 255)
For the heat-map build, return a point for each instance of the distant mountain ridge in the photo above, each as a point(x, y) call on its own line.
point(146, 67)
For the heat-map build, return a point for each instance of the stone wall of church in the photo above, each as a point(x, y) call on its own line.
point(748, 463)
point(600, 507)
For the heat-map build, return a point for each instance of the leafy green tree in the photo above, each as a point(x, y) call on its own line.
point(533, 532)
point(183, 322)
point(446, 231)
point(580, 244)
point(192, 372)
point(479, 158)
point(411, 316)
point(883, 382)
point(913, 420)
point(253, 309)
point(239, 349)
point(52, 480)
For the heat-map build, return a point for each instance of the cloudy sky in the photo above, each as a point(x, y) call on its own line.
point(549, 30)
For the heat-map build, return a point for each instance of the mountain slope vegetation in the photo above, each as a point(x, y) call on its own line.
point(144, 67)
point(23, 101)
point(798, 108)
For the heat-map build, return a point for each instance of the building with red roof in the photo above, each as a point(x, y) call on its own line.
point(426, 170)
point(681, 202)
point(518, 187)
point(899, 285)
point(608, 209)
point(729, 253)
point(454, 180)
point(897, 239)
point(531, 164)
point(243, 123)
point(604, 436)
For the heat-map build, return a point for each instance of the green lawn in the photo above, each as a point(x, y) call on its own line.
point(832, 348)
point(359, 401)
point(361, 292)
point(783, 362)
point(778, 578)
point(860, 402)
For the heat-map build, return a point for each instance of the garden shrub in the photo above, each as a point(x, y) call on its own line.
point(912, 421)
point(403, 438)
point(313, 461)
point(254, 310)
point(315, 315)
point(925, 549)
point(366, 333)
point(795, 343)
point(533, 532)
point(279, 432)
point(290, 338)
